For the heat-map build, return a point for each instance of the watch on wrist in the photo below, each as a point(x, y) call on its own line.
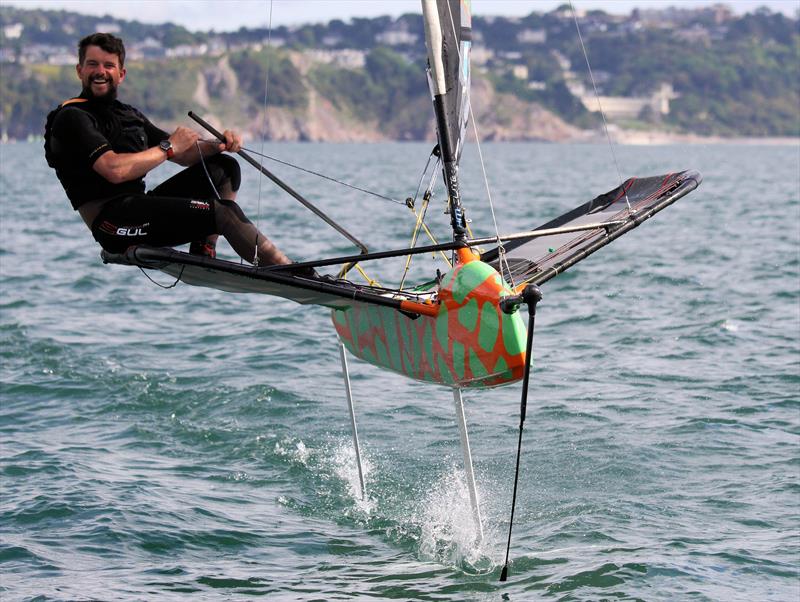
point(166, 146)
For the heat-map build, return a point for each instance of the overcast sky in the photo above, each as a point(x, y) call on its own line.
point(229, 15)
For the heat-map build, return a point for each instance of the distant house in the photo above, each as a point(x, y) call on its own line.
point(631, 26)
point(107, 27)
point(40, 54)
point(12, 32)
point(187, 50)
point(331, 40)
point(8, 55)
point(672, 17)
point(149, 48)
point(722, 13)
point(601, 76)
point(480, 55)
point(217, 46)
point(520, 72)
point(66, 57)
point(397, 36)
point(532, 36)
point(347, 58)
point(567, 13)
point(630, 107)
point(695, 34)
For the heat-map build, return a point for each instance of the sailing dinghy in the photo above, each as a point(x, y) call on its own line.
point(462, 329)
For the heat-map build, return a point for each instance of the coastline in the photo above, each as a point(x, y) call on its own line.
point(659, 138)
point(619, 137)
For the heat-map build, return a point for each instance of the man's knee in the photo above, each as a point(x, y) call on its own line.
point(229, 168)
point(228, 212)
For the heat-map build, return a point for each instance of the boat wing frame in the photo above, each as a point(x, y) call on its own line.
point(537, 260)
point(235, 277)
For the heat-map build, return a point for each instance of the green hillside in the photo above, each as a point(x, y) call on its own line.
point(731, 75)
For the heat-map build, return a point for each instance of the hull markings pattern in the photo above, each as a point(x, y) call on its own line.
point(471, 343)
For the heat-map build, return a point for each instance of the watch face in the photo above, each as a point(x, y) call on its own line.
point(165, 145)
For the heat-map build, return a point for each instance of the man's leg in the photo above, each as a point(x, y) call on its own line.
point(159, 221)
point(232, 223)
point(230, 220)
point(208, 247)
point(239, 231)
point(225, 190)
point(244, 237)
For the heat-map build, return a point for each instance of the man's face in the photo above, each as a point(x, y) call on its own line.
point(100, 73)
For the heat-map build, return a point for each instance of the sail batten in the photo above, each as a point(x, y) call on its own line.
point(537, 260)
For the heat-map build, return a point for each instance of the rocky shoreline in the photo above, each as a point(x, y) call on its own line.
point(288, 131)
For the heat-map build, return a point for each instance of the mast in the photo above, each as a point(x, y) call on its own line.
point(448, 37)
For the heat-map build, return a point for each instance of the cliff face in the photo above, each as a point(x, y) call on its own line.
point(320, 121)
point(500, 117)
point(503, 117)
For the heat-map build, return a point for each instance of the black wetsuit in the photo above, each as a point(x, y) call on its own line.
point(178, 211)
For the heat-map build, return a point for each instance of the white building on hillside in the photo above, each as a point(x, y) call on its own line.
point(630, 107)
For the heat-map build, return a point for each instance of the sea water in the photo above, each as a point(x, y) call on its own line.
point(159, 443)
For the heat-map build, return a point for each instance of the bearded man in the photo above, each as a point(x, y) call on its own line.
point(101, 150)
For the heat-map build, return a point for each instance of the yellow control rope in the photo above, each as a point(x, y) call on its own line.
point(369, 280)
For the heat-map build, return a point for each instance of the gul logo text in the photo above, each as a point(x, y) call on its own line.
point(133, 231)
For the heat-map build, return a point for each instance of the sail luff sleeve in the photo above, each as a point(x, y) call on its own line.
point(448, 31)
point(444, 25)
point(433, 35)
point(457, 22)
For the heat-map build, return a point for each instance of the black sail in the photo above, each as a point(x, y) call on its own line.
point(448, 35)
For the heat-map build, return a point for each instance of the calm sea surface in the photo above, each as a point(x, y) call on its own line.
point(156, 443)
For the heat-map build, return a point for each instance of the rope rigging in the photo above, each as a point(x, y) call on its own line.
point(410, 202)
point(420, 218)
point(158, 284)
point(205, 170)
point(320, 175)
point(505, 270)
point(599, 105)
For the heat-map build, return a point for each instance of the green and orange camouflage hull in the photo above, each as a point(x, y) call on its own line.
point(469, 342)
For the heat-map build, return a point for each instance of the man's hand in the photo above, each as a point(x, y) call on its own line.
point(233, 142)
point(183, 139)
point(184, 144)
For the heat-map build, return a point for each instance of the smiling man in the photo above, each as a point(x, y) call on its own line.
point(101, 150)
